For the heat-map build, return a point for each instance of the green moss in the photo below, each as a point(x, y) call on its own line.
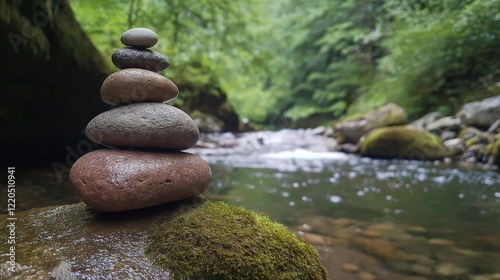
point(402, 142)
point(471, 141)
point(494, 150)
point(212, 240)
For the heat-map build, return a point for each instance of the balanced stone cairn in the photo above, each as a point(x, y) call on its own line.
point(143, 165)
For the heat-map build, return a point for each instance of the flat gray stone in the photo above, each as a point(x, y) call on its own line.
point(139, 37)
point(134, 85)
point(139, 58)
point(144, 125)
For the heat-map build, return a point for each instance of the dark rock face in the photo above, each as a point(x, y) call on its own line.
point(112, 180)
point(139, 58)
point(137, 85)
point(144, 125)
point(51, 71)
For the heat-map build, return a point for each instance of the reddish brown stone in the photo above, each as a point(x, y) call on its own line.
point(134, 85)
point(113, 180)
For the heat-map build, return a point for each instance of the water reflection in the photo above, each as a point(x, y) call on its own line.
point(420, 208)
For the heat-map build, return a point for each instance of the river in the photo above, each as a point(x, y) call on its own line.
point(384, 219)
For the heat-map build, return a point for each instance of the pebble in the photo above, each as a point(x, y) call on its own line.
point(133, 85)
point(144, 125)
point(363, 275)
point(139, 37)
point(350, 267)
point(420, 269)
point(449, 269)
point(112, 180)
point(440, 242)
point(139, 58)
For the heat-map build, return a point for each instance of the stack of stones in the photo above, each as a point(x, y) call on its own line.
point(143, 165)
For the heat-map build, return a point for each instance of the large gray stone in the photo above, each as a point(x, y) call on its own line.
point(139, 37)
point(113, 180)
point(134, 85)
point(139, 58)
point(481, 113)
point(144, 125)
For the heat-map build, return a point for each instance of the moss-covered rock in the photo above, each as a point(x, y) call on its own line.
point(228, 242)
point(402, 142)
point(76, 242)
point(353, 127)
point(493, 150)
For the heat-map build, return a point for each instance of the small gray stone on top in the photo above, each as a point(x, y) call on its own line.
point(139, 37)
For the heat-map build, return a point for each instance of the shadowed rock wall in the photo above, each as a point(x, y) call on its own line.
point(50, 76)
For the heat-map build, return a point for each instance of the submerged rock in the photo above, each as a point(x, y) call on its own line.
point(402, 142)
point(75, 242)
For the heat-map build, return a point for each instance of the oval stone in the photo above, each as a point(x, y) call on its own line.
point(144, 125)
point(113, 180)
point(139, 37)
point(134, 85)
point(139, 58)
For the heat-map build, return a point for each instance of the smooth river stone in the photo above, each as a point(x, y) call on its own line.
point(139, 37)
point(144, 125)
point(113, 180)
point(134, 85)
point(139, 58)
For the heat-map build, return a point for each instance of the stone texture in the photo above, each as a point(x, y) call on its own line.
point(402, 142)
point(449, 123)
point(139, 37)
point(144, 125)
point(139, 58)
point(134, 85)
point(481, 113)
point(113, 180)
point(353, 128)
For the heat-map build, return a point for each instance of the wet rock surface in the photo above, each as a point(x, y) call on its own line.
point(75, 242)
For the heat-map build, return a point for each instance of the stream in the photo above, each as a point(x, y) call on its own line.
point(385, 219)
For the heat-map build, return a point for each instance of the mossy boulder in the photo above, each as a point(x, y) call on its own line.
point(353, 127)
point(76, 242)
point(402, 142)
point(228, 242)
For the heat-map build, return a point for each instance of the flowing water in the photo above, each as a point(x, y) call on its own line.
point(430, 220)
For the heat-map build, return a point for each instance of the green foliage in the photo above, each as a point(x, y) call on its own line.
point(296, 59)
point(207, 42)
point(329, 57)
point(212, 240)
point(438, 54)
